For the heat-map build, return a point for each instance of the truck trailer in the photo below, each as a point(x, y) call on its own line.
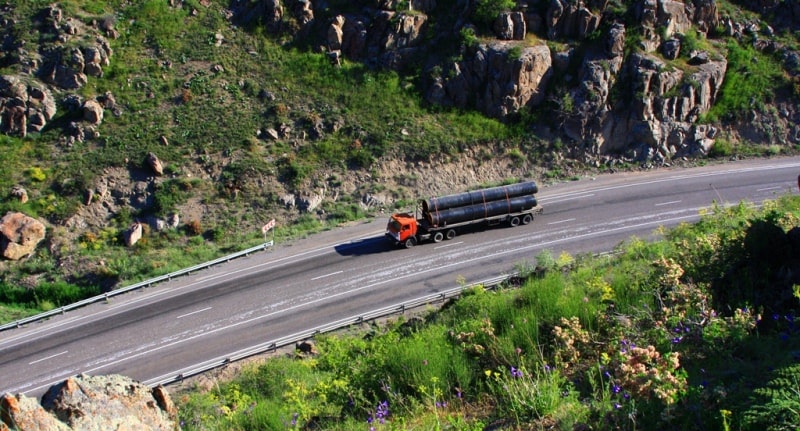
point(440, 218)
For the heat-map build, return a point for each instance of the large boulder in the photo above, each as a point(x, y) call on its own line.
point(19, 235)
point(25, 414)
point(133, 234)
point(92, 403)
point(93, 112)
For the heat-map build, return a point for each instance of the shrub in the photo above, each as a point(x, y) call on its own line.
point(170, 194)
point(721, 148)
point(194, 228)
point(468, 38)
point(36, 174)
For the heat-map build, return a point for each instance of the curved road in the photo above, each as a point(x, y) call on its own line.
point(162, 330)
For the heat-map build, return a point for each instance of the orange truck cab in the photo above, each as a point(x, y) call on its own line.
point(402, 227)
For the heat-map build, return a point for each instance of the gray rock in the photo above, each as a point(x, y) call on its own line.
point(93, 112)
point(671, 49)
point(133, 234)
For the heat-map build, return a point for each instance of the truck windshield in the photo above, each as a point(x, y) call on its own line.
point(395, 225)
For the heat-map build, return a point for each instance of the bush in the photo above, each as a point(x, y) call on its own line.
point(36, 174)
point(721, 148)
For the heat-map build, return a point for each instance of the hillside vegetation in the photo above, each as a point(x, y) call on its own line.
point(694, 331)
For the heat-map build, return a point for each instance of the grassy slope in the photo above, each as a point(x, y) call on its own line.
point(693, 332)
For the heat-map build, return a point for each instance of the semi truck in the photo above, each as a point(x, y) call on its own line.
point(440, 218)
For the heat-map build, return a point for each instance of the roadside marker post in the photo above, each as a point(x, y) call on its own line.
point(266, 228)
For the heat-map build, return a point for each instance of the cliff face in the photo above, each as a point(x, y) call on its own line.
point(621, 82)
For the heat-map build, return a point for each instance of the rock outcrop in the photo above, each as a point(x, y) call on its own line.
point(76, 56)
point(92, 403)
point(498, 79)
point(19, 235)
point(25, 105)
point(503, 77)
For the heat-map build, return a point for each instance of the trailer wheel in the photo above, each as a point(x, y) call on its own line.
point(411, 242)
point(514, 222)
point(527, 219)
point(451, 234)
point(438, 237)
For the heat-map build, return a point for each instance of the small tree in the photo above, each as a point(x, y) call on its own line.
point(486, 11)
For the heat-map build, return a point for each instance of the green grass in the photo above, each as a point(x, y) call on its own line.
point(751, 81)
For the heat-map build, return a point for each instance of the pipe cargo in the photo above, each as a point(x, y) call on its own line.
point(476, 197)
point(480, 211)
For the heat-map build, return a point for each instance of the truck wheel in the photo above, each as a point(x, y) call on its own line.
point(451, 234)
point(411, 242)
point(438, 237)
point(514, 222)
point(527, 219)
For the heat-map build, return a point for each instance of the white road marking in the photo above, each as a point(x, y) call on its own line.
point(326, 275)
point(49, 357)
point(672, 178)
point(667, 203)
point(572, 198)
point(769, 188)
point(561, 221)
point(193, 312)
point(448, 245)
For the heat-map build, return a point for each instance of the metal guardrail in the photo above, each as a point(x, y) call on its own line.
point(146, 283)
point(271, 346)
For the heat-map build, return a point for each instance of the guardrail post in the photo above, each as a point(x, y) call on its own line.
point(63, 311)
point(106, 297)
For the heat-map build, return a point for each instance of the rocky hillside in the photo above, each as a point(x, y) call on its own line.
point(625, 77)
point(125, 121)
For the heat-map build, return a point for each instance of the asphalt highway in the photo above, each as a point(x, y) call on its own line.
point(161, 330)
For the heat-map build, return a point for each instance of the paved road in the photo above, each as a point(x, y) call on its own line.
point(162, 330)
